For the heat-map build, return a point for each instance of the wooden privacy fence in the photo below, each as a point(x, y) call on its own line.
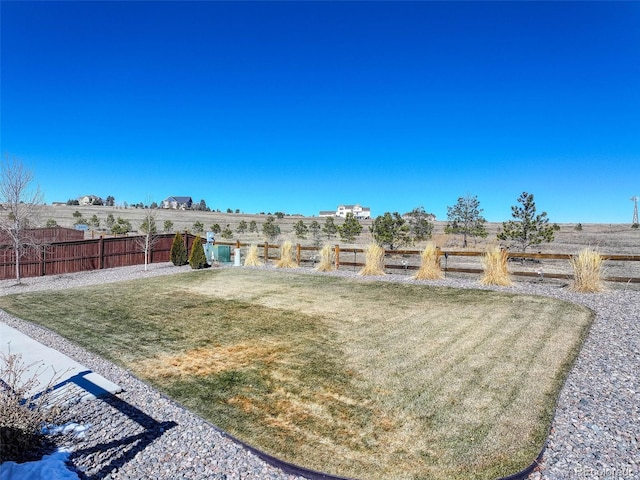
point(81, 255)
point(58, 258)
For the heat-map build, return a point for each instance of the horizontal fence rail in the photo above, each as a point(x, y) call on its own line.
point(72, 256)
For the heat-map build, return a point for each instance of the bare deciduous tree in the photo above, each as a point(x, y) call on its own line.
point(21, 202)
point(150, 230)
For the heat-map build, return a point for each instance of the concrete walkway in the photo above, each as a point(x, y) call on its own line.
point(71, 380)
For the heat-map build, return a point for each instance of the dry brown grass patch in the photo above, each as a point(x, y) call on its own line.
point(207, 361)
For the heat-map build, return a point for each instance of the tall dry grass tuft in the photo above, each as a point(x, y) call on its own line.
point(286, 256)
point(252, 259)
point(326, 259)
point(374, 260)
point(430, 267)
point(587, 272)
point(496, 272)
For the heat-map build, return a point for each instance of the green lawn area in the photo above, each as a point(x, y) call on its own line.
point(357, 378)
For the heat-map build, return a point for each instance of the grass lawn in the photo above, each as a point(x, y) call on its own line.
point(357, 378)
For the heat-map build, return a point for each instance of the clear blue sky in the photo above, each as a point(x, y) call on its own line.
point(302, 106)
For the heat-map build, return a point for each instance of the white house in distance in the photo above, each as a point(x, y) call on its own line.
point(177, 203)
point(90, 200)
point(358, 211)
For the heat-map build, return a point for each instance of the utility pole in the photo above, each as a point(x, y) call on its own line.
point(634, 199)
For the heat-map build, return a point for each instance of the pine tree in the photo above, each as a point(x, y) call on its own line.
point(465, 218)
point(528, 227)
point(178, 251)
point(329, 229)
point(197, 258)
point(390, 230)
point(350, 229)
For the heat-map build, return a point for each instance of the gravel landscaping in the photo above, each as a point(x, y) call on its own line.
point(142, 434)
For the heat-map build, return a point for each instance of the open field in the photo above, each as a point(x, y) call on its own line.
point(609, 238)
point(617, 239)
point(365, 379)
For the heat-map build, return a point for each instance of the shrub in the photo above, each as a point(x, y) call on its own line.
point(197, 257)
point(496, 272)
point(286, 256)
point(198, 227)
point(252, 259)
point(326, 259)
point(430, 267)
point(587, 272)
point(374, 263)
point(178, 254)
point(23, 419)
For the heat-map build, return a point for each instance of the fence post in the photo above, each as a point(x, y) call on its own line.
point(298, 249)
point(42, 261)
point(237, 243)
point(337, 256)
point(101, 253)
point(266, 251)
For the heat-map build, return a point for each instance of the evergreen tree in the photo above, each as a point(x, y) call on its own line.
point(178, 253)
point(168, 226)
point(465, 218)
point(329, 229)
point(528, 228)
point(350, 229)
point(420, 227)
point(391, 230)
point(253, 227)
point(242, 226)
point(197, 258)
point(94, 221)
point(198, 227)
point(121, 226)
point(110, 221)
point(270, 229)
point(314, 228)
point(300, 229)
point(227, 233)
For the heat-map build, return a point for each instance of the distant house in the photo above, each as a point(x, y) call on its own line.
point(90, 200)
point(327, 213)
point(358, 211)
point(177, 203)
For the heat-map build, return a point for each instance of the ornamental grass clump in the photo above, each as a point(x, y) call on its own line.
point(252, 259)
point(326, 259)
point(587, 271)
point(430, 267)
point(286, 256)
point(496, 272)
point(374, 260)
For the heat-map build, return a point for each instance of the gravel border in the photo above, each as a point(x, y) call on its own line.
point(142, 434)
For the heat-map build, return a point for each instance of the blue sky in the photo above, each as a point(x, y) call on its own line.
point(302, 106)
